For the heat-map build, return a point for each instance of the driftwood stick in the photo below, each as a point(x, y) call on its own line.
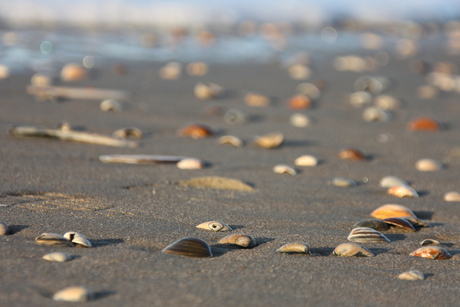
point(56, 92)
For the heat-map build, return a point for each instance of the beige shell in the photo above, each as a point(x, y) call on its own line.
point(309, 89)
point(427, 92)
point(230, 139)
point(272, 140)
point(391, 210)
point(357, 99)
point(306, 160)
point(77, 239)
point(299, 72)
point(367, 235)
point(386, 102)
point(241, 240)
point(111, 105)
point(452, 196)
point(391, 181)
point(41, 80)
point(73, 294)
point(128, 132)
point(4, 71)
point(294, 248)
point(197, 69)
point(73, 72)
point(402, 191)
point(171, 71)
point(300, 120)
point(254, 99)
point(214, 226)
point(58, 257)
point(428, 165)
point(352, 250)
point(343, 182)
point(3, 228)
point(372, 114)
point(208, 91)
point(431, 252)
point(283, 168)
point(51, 239)
point(190, 163)
point(412, 275)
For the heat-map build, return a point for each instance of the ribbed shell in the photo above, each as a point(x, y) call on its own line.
point(400, 223)
point(189, 247)
point(51, 239)
point(367, 235)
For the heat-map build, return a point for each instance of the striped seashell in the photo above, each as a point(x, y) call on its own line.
point(367, 235)
point(77, 239)
point(294, 248)
point(412, 275)
point(378, 225)
point(196, 131)
point(392, 210)
point(402, 191)
point(400, 223)
point(214, 226)
point(241, 240)
point(432, 252)
point(189, 247)
point(352, 250)
point(51, 239)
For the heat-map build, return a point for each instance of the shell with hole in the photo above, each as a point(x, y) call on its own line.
point(432, 252)
point(412, 275)
point(189, 247)
point(241, 240)
point(352, 250)
point(57, 257)
point(367, 235)
point(271, 140)
point(190, 163)
point(73, 294)
point(284, 169)
point(294, 248)
point(77, 239)
point(402, 191)
point(214, 226)
point(52, 239)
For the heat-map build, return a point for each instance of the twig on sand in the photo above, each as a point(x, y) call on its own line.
point(56, 92)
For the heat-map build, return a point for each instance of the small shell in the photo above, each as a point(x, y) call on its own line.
point(352, 154)
point(196, 131)
point(428, 165)
point(230, 139)
point(358, 99)
point(400, 223)
point(311, 90)
point(372, 114)
point(215, 226)
point(391, 181)
point(378, 225)
point(235, 116)
point(190, 163)
point(392, 210)
point(111, 105)
point(452, 196)
point(352, 250)
point(256, 100)
point(189, 247)
point(271, 140)
point(41, 80)
point(299, 72)
point(298, 102)
point(73, 294)
point(208, 91)
point(306, 160)
point(386, 102)
point(402, 191)
point(64, 126)
point(51, 239)
point(367, 235)
point(73, 72)
point(412, 275)
point(3, 228)
point(197, 69)
point(343, 182)
point(294, 248)
point(300, 120)
point(241, 240)
point(128, 132)
point(58, 257)
point(4, 71)
point(427, 92)
point(283, 168)
point(77, 239)
point(424, 124)
point(431, 252)
point(429, 242)
point(171, 71)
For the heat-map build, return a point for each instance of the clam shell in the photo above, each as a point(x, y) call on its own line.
point(256, 100)
point(429, 242)
point(392, 210)
point(73, 72)
point(128, 132)
point(431, 252)
point(386, 102)
point(424, 123)
point(412, 275)
point(283, 168)
point(241, 240)
point(352, 154)
point(299, 102)
point(58, 257)
point(402, 191)
point(416, 222)
point(367, 235)
point(73, 294)
point(392, 181)
point(357, 99)
point(196, 131)
point(352, 250)
point(3, 228)
point(111, 105)
point(428, 165)
point(171, 71)
point(272, 140)
point(230, 139)
point(400, 223)
point(311, 90)
point(294, 248)
point(306, 160)
point(214, 226)
point(206, 91)
point(51, 239)
point(343, 182)
point(299, 120)
point(189, 247)
point(378, 225)
point(452, 196)
point(372, 114)
point(77, 239)
point(190, 163)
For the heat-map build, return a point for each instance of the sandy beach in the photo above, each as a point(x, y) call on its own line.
point(131, 212)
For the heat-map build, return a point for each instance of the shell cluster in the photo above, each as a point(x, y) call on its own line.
point(70, 238)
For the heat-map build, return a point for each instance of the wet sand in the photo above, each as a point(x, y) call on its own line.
point(131, 212)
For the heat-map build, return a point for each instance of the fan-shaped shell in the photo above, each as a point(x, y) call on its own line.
point(400, 223)
point(241, 240)
point(189, 247)
point(215, 226)
point(51, 239)
point(77, 239)
point(367, 235)
point(352, 250)
point(378, 225)
point(391, 210)
point(294, 248)
point(402, 191)
point(431, 252)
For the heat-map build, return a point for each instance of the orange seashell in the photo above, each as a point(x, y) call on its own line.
point(432, 252)
point(299, 102)
point(424, 123)
point(196, 131)
point(73, 72)
point(352, 154)
point(402, 191)
point(392, 210)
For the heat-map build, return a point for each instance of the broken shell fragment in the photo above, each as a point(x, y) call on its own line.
point(372, 114)
point(73, 294)
point(424, 123)
point(432, 252)
point(230, 139)
point(294, 248)
point(73, 72)
point(299, 120)
point(367, 235)
point(283, 168)
point(306, 160)
point(429, 242)
point(128, 132)
point(272, 140)
point(77, 239)
point(428, 165)
point(392, 210)
point(352, 250)
point(412, 275)
point(254, 99)
point(3, 228)
point(400, 223)
point(343, 182)
point(299, 102)
point(402, 191)
point(58, 257)
point(51, 239)
point(452, 196)
point(215, 226)
point(206, 91)
point(241, 240)
point(391, 181)
point(111, 105)
point(378, 225)
point(196, 131)
point(189, 247)
point(190, 163)
point(352, 154)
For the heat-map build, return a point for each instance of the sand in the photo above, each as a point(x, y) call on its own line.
point(131, 212)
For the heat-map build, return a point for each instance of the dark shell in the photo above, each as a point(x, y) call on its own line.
point(416, 222)
point(378, 225)
point(190, 247)
point(429, 242)
point(367, 235)
point(51, 239)
point(352, 154)
point(400, 223)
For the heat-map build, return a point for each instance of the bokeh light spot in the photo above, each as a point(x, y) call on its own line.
point(46, 47)
point(329, 34)
point(88, 61)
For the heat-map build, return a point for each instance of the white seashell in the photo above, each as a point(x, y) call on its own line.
point(392, 181)
point(343, 182)
point(299, 120)
point(215, 226)
point(52, 239)
point(309, 89)
point(207, 91)
point(306, 160)
point(254, 99)
point(77, 239)
point(190, 163)
point(73, 294)
point(357, 99)
point(3, 228)
point(171, 71)
point(428, 165)
point(58, 257)
point(372, 114)
point(352, 250)
point(386, 102)
point(230, 139)
point(294, 248)
point(299, 72)
point(402, 191)
point(111, 105)
point(412, 275)
point(283, 168)
point(4, 71)
point(452, 196)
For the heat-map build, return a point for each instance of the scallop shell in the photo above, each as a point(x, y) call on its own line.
point(73, 72)
point(283, 168)
point(452, 196)
point(299, 120)
point(412, 275)
point(58, 257)
point(190, 163)
point(73, 294)
point(241, 240)
point(128, 132)
point(294, 248)
point(431, 252)
point(343, 182)
point(372, 114)
point(230, 139)
point(424, 124)
point(189, 247)
point(400, 223)
point(378, 225)
point(391, 181)
point(392, 210)
point(196, 131)
point(77, 239)
point(51, 239)
point(352, 250)
point(272, 140)
point(171, 71)
point(402, 191)
point(352, 154)
point(111, 105)
point(254, 99)
point(206, 91)
point(215, 226)
point(429, 242)
point(428, 165)
point(3, 228)
point(367, 235)
point(306, 160)
point(298, 102)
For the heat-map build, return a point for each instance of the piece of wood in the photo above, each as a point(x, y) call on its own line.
point(86, 93)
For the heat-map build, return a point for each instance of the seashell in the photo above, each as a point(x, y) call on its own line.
point(352, 154)
point(111, 105)
point(73, 294)
point(402, 191)
point(412, 275)
point(58, 257)
point(230, 139)
point(378, 225)
point(432, 252)
point(77, 239)
point(357, 99)
point(294, 248)
point(283, 168)
point(272, 140)
point(428, 165)
point(41, 80)
point(392, 210)
point(343, 182)
point(215, 226)
point(429, 242)
point(73, 72)
point(197, 69)
point(235, 116)
point(4, 72)
point(51, 239)
point(241, 240)
point(386, 102)
point(427, 92)
point(400, 222)
point(372, 114)
point(452, 196)
point(128, 132)
point(189, 247)
point(416, 222)
point(311, 90)
point(299, 120)
point(306, 160)
point(190, 163)
point(208, 91)
point(367, 235)
point(299, 72)
point(372, 84)
point(196, 131)
point(171, 71)
point(352, 250)
point(391, 181)
point(3, 228)
point(424, 123)
point(299, 102)
point(254, 99)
